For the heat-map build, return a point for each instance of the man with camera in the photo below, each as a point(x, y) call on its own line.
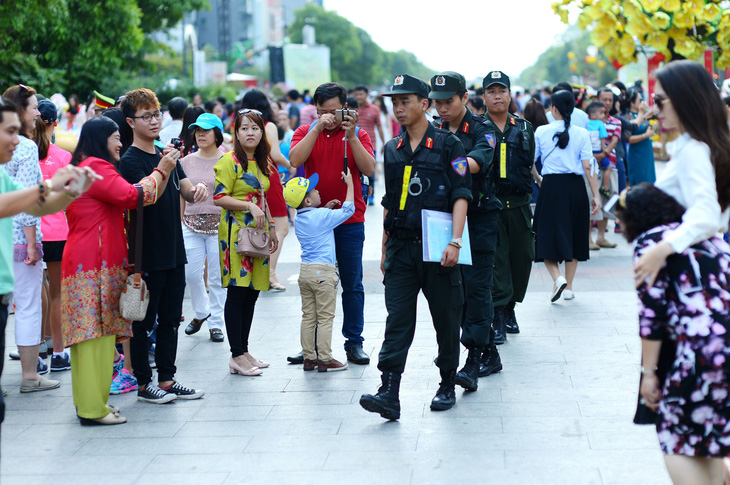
point(320, 147)
point(163, 250)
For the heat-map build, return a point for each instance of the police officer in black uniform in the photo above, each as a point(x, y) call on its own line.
point(448, 90)
point(425, 168)
point(513, 171)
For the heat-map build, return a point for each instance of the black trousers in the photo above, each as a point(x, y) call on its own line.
point(167, 290)
point(3, 323)
point(240, 305)
point(405, 275)
point(514, 257)
point(476, 326)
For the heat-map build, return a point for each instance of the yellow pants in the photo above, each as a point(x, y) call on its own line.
point(92, 364)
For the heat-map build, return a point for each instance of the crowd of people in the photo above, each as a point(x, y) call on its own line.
point(215, 187)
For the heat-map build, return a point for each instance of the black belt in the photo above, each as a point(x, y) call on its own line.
point(406, 235)
point(6, 299)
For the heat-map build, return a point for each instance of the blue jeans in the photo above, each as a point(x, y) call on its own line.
point(621, 169)
point(349, 241)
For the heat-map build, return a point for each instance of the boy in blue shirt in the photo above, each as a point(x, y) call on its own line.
point(314, 227)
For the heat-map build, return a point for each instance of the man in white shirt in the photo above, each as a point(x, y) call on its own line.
point(579, 117)
point(176, 107)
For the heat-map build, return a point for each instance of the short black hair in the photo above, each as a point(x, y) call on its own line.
point(647, 207)
point(210, 105)
point(6, 106)
point(218, 135)
point(593, 107)
point(352, 102)
point(327, 91)
point(293, 94)
point(176, 107)
point(563, 86)
point(126, 134)
point(361, 87)
point(477, 102)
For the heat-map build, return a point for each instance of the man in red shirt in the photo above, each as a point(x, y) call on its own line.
point(320, 147)
point(369, 114)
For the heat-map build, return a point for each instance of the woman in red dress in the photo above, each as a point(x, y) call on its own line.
point(94, 267)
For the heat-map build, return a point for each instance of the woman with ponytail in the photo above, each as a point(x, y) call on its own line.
point(698, 172)
point(562, 211)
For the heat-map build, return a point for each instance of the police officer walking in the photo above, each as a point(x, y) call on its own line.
point(513, 171)
point(448, 90)
point(425, 168)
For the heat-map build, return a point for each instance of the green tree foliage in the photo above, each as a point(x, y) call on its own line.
point(354, 57)
point(555, 65)
point(79, 45)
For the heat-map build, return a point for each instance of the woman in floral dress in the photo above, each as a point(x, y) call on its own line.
point(240, 178)
point(688, 306)
point(94, 267)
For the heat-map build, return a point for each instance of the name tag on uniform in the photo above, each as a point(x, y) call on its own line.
point(503, 160)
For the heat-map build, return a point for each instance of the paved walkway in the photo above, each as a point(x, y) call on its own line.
point(559, 413)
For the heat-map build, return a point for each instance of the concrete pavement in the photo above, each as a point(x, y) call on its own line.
point(559, 413)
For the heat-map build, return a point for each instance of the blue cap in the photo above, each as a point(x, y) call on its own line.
point(207, 121)
point(297, 189)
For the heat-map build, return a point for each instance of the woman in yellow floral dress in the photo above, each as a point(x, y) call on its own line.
point(240, 178)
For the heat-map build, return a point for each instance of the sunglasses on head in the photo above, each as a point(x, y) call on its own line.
point(254, 111)
point(660, 100)
point(23, 86)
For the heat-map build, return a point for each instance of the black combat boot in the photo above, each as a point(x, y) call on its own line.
point(468, 376)
point(445, 397)
point(385, 402)
point(498, 325)
point(510, 319)
point(490, 363)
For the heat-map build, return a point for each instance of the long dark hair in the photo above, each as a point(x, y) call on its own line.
point(187, 135)
point(645, 207)
point(126, 134)
point(534, 113)
point(41, 138)
point(263, 149)
point(20, 95)
point(94, 140)
point(702, 114)
point(564, 102)
point(255, 99)
point(627, 98)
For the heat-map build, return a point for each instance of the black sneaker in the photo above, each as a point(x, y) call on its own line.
point(183, 392)
point(60, 362)
point(155, 395)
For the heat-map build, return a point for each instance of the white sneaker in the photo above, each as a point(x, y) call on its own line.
point(568, 295)
point(560, 285)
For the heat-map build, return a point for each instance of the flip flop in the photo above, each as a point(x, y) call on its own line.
point(277, 287)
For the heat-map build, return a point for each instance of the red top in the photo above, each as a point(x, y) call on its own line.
point(327, 160)
point(369, 119)
point(275, 194)
point(613, 127)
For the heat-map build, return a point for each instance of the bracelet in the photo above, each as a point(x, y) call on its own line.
point(164, 177)
point(42, 192)
point(646, 372)
point(452, 243)
point(49, 184)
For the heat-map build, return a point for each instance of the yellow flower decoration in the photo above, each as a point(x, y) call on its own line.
point(695, 7)
point(584, 20)
point(651, 5)
point(563, 15)
point(632, 9)
point(687, 47)
point(723, 62)
point(658, 40)
point(594, 12)
point(627, 45)
point(684, 19)
point(661, 20)
point(601, 37)
point(711, 12)
point(671, 6)
point(608, 22)
point(639, 26)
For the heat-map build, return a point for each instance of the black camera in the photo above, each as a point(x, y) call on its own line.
point(177, 143)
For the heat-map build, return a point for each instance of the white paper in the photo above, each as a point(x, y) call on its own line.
point(437, 234)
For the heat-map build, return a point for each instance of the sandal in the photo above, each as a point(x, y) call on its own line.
point(277, 287)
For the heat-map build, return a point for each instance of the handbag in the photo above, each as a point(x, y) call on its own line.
point(253, 242)
point(135, 296)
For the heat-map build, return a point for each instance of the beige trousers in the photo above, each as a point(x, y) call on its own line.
point(318, 287)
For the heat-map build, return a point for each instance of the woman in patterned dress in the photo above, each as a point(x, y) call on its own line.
point(94, 267)
point(241, 176)
point(688, 306)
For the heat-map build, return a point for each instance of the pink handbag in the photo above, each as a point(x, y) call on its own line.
point(253, 242)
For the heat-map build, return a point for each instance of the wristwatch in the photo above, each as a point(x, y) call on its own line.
point(457, 241)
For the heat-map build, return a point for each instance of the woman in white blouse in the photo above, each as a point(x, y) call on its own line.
point(562, 211)
point(698, 173)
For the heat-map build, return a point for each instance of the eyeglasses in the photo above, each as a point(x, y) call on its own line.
point(148, 116)
point(254, 111)
point(659, 100)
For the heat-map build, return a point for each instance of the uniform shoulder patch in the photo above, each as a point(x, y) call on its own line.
point(460, 165)
point(491, 139)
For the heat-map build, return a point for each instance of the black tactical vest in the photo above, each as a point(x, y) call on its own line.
point(519, 164)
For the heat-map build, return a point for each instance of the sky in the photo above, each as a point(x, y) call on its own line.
point(481, 35)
